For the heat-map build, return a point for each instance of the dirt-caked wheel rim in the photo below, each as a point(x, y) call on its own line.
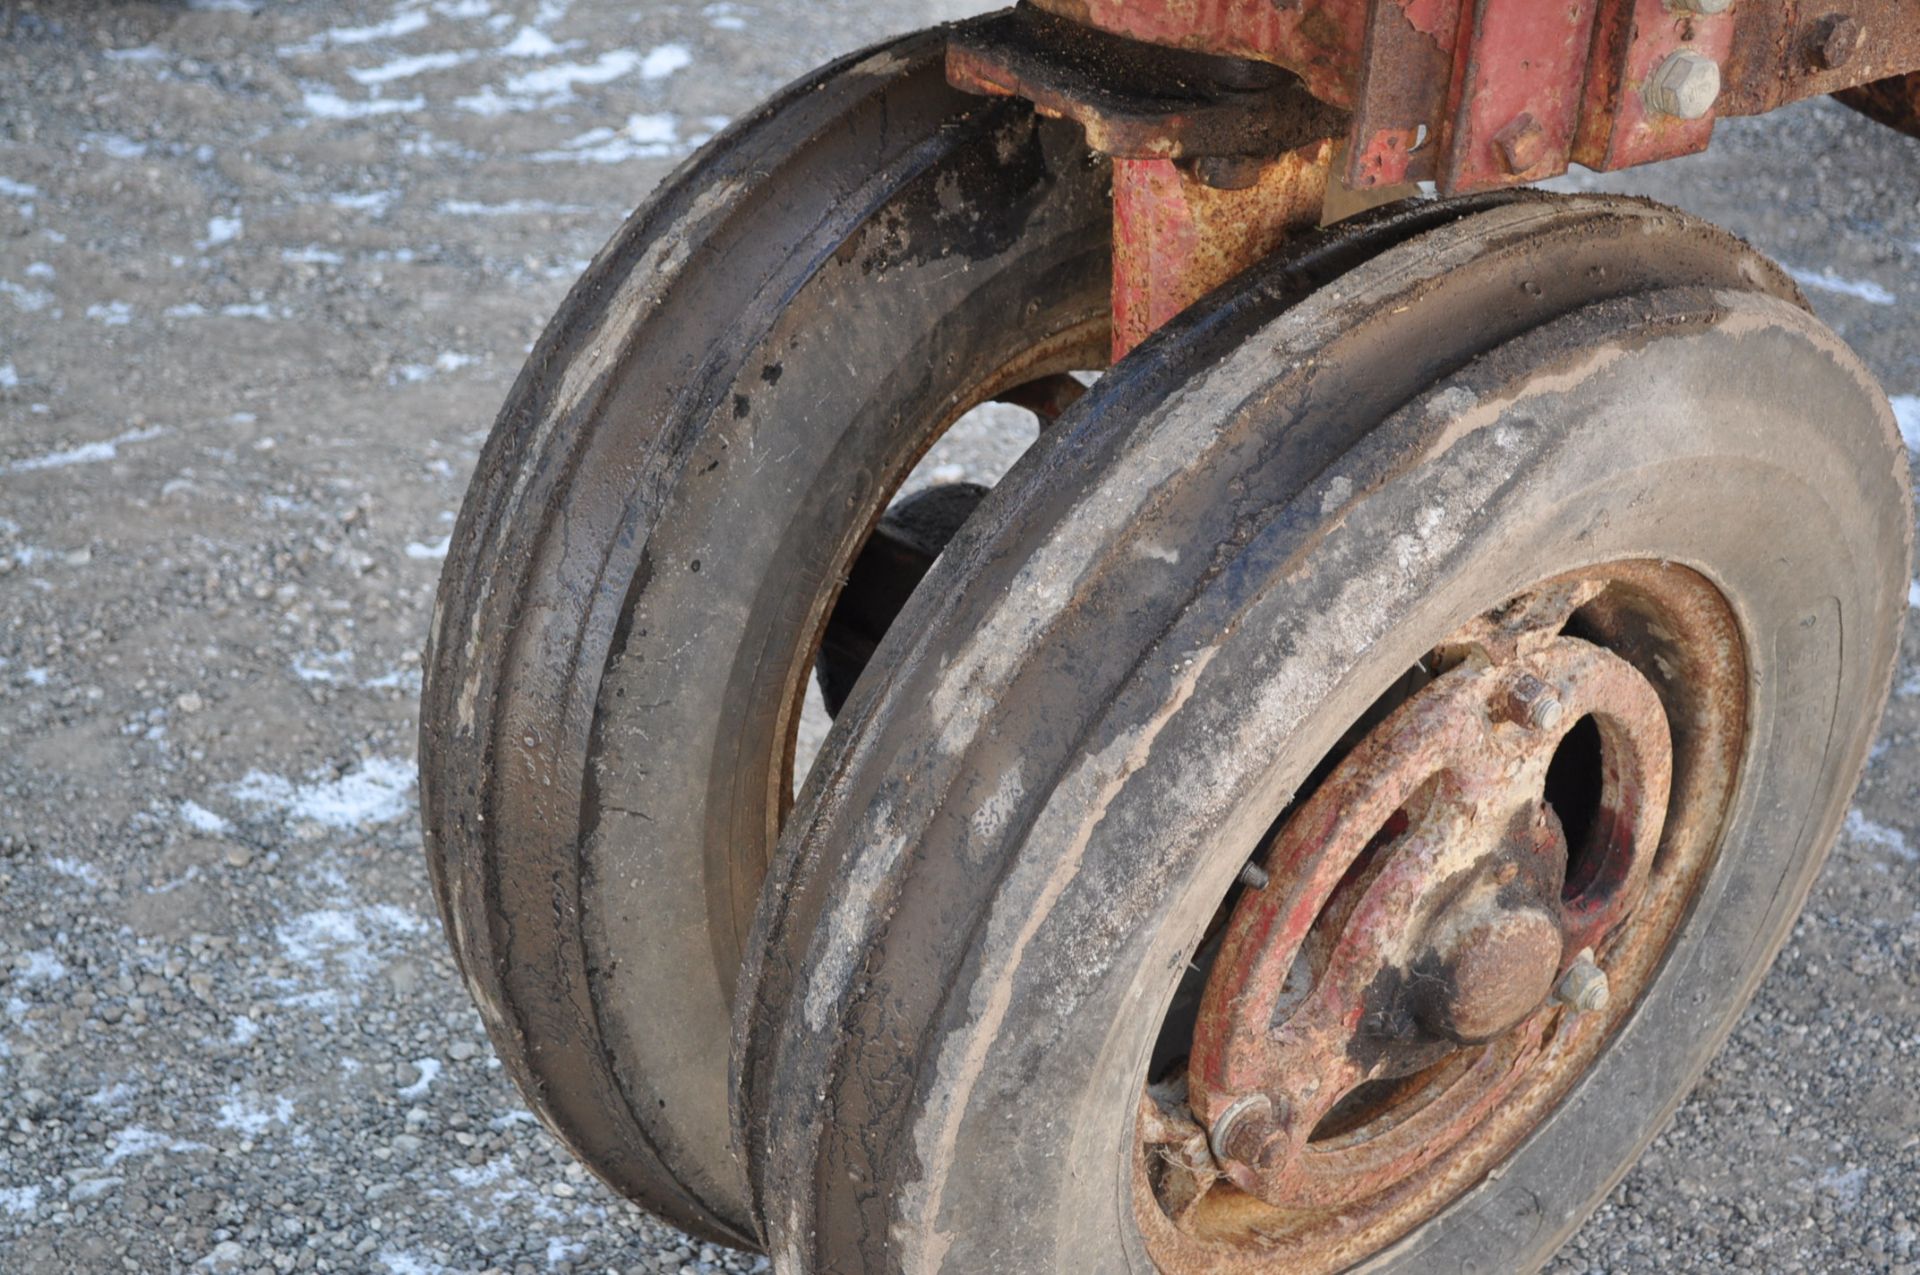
point(1442, 934)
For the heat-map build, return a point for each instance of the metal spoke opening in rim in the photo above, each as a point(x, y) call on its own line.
point(1443, 931)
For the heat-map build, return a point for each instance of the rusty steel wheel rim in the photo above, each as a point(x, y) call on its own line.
point(1424, 956)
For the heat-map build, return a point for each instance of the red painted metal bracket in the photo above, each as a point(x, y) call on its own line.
point(1475, 94)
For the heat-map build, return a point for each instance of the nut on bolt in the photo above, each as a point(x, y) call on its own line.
point(1583, 989)
point(1531, 702)
point(1242, 1130)
point(1685, 86)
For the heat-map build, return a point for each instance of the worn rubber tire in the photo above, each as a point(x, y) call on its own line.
point(638, 580)
point(1170, 611)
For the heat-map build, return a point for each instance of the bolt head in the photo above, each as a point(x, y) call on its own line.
point(1521, 145)
point(1835, 40)
point(1685, 86)
point(1706, 7)
point(1583, 989)
point(1254, 877)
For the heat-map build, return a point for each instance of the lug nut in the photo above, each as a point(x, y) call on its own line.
point(1254, 877)
point(1583, 989)
point(1685, 86)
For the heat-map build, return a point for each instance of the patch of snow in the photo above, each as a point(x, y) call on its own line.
point(1865, 831)
point(534, 43)
point(223, 230)
point(17, 190)
point(145, 53)
point(78, 871)
point(354, 938)
point(38, 966)
point(511, 208)
point(550, 85)
point(374, 792)
point(317, 666)
point(1906, 411)
point(85, 454)
point(429, 1069)
point(373, 201)
point(664, 61)
point(32, 300)
point(327, 105)
point(9, 379)
point(429, 552)
point(408, 67)
point(1827, 281)
point(200, 819)
point(116, 146)
point(405, 22)
point(643, 137)
point(19, 1199)
point(311, 255)
point(137, 1140)
point(115, 314)
point(249, 1115)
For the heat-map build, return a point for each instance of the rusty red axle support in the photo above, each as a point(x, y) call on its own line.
point(1219, 155)
point(1474, 94)
point(1176, 238)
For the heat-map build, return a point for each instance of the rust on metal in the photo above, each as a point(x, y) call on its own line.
point(1318, 40)
point(1436, 952)
point(1138, 100)
point(1474, 94)
point(1175, 238)
point(1437, 957)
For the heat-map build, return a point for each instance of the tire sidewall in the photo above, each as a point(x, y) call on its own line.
point(1464, 499)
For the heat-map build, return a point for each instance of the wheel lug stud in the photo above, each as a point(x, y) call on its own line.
point(1254, 877)
point(1583, 989)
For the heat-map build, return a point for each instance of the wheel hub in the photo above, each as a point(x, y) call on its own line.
point(1420, 914)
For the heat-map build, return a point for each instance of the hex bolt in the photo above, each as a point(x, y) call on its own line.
point(1254, 877)
point(1583, 989)
point(1242, 1129)
point(1521, 145)
point(1835, 40)
point(1685, 86)
point(1705, 7)
point(1531, 702)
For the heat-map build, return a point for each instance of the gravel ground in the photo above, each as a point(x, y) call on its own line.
point(264, 278)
